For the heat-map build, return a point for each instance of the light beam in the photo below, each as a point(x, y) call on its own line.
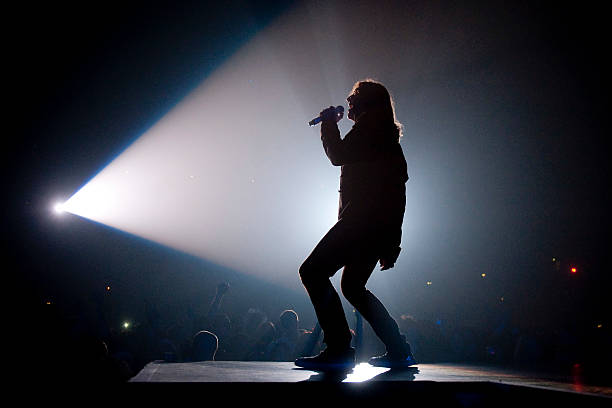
point(233, 174)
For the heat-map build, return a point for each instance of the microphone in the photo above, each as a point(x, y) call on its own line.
point(339, 112)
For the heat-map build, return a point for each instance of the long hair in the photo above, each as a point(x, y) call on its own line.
point(374, 97)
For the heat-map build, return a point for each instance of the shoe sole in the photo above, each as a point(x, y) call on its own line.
point(326, 367)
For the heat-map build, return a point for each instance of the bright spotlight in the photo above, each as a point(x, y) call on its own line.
point(58, 208)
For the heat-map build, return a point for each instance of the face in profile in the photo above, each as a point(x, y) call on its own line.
point(353, 104)
point(369, 96)
point(351, 111)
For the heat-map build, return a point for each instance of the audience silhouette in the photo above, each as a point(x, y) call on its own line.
point(205, 345)
point(83, 351)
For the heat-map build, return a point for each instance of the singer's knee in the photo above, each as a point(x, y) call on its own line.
point(307, 273)
point(353, 291)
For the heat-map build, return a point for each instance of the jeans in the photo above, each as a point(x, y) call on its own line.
point(355, 247)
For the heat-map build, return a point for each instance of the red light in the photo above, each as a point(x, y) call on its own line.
point(574, 270)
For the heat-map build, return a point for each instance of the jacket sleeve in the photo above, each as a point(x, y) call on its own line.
point(353, 148)
point(391, 244)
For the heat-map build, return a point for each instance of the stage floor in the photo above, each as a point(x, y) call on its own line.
point(286, 372)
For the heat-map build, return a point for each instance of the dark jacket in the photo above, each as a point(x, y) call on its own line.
point(373, 176)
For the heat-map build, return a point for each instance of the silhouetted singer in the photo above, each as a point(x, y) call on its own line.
point(369, 228)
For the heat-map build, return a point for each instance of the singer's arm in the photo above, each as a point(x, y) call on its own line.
point(353, 148)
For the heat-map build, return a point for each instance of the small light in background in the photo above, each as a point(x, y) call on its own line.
point(428, 283)
point(126, 325)
point(556, 263)
point(573, 269)
point(108, 288)
point(483, 274)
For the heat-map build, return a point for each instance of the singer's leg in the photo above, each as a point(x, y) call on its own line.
point(325, 260)
point(354, 279)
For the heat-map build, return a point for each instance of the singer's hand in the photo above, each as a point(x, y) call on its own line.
point(387, 261)
point(331, 114)
point(385, 264)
